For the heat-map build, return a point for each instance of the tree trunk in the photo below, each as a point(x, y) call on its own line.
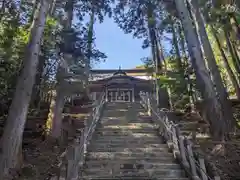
point(234, 27)
point(212, 107)
point(12, 136)
point(56, 128)
point(2, 10)
point(38, 80)
point(165, 100)
point(226, 64)
point(52, 7)
point(186, 65)
point(154, 49)
point(234, 56)
point(89, 54)
point(62, 70)
point(184, 87)
point(236, 52)
point(175, 44)
point(34, 4)
point(212, 64)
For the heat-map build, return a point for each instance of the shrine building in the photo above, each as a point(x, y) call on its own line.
point(120, 85)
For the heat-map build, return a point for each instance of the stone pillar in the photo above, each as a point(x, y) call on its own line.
point(111, 96)
point(106, 95)
point(94, 94)
point(129, 96)
point(133, 95)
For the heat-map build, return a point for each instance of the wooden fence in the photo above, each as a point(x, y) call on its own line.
point(72, 159)
point(181, 146)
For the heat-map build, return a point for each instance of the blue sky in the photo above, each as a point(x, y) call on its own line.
point(122, 49)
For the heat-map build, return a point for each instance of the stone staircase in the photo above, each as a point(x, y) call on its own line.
point(126, 146)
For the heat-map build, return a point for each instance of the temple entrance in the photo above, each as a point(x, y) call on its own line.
point(120, 95)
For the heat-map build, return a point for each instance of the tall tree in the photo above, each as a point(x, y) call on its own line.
point(76, 51)
point(213, 108)
point(226, 63)
point(62, 71)
point(12, 136)
point(90, 44)
point(212, 64)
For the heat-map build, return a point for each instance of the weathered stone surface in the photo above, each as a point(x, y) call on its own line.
point(126, 146)
point(130, 178)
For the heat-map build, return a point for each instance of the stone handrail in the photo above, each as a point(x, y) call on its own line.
point(181, 146)
point(73, 158)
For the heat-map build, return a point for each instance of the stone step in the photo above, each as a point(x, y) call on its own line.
point(129, 107)
point(164, 173)
point(127, 129)
point(136, 117)
point(127, 139)
point(124, 132)
point(118, 103)
point(129, 125)
point(125, 142)
point(118, 108)
point(107, 121)
point(127, 133)
point(132, 158)
point(129, 154)
point(189, 133)
point(133, 149)
point(114, 114)
point(131, 178)
point(94, 145)
point(188, 123)
point(135, 164)
point(124, 110)
point(128, 136)
point(189, 126)
point(121, 104)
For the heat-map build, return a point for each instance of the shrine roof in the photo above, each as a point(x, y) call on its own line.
point(112, 71)
point(120, 79)
point(115, 77)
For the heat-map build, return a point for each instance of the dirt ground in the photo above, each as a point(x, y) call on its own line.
point(40, 162)
point(224, 156)
point(41, 157)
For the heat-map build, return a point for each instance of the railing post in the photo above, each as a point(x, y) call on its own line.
point(72, 166)
point(85, 133)
point(175, 140)
point(161, 128)
point(166, 131)
point(148, 104)
point(83, 143)
point(74, 156)
point(182, 149)
point(202, 169)
point(133, 95)
point(192, 161)
point(63, 171)
point(106, 96)
point(82, 152)
point(176, 151)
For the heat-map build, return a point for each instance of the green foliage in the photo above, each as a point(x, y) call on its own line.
point(150, 21)
point(15, 24)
